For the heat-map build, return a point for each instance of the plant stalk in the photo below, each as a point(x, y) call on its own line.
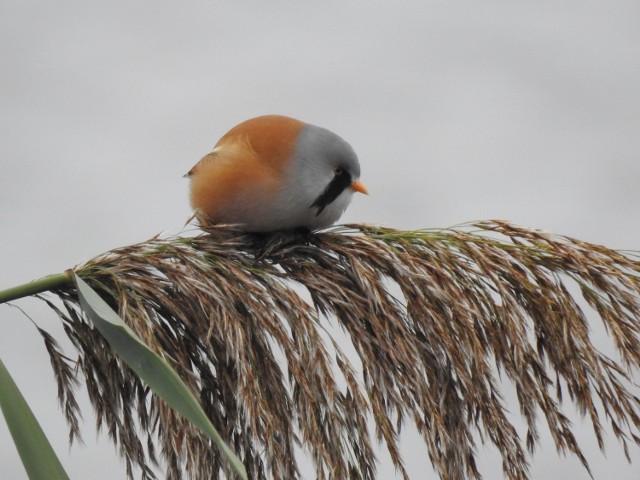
point(44, 284)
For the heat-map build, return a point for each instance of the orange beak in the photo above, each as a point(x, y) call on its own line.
point(359, 187)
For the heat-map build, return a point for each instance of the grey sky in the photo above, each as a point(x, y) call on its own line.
point(528, 111)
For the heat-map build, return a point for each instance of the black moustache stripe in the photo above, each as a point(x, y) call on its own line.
point(333, 191)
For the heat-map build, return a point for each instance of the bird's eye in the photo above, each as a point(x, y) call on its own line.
point(338, 171)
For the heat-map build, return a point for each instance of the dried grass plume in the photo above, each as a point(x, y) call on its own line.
point(433, 316)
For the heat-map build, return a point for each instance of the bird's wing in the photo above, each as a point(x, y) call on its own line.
point(237, 146)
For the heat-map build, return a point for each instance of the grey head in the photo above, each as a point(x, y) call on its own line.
point(324, 168)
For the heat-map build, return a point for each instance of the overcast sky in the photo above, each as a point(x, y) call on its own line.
point(458, 110)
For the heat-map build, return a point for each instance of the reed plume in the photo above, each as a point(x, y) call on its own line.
point(436, 318)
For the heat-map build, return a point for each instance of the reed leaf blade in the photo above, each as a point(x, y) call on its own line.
point(151, 368)
point(38, 458)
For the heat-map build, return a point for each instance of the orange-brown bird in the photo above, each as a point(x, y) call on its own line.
point(275, 173)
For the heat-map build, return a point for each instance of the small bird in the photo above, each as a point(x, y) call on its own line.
point(275, 173)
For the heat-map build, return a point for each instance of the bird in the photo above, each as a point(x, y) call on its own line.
point(273, 173)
